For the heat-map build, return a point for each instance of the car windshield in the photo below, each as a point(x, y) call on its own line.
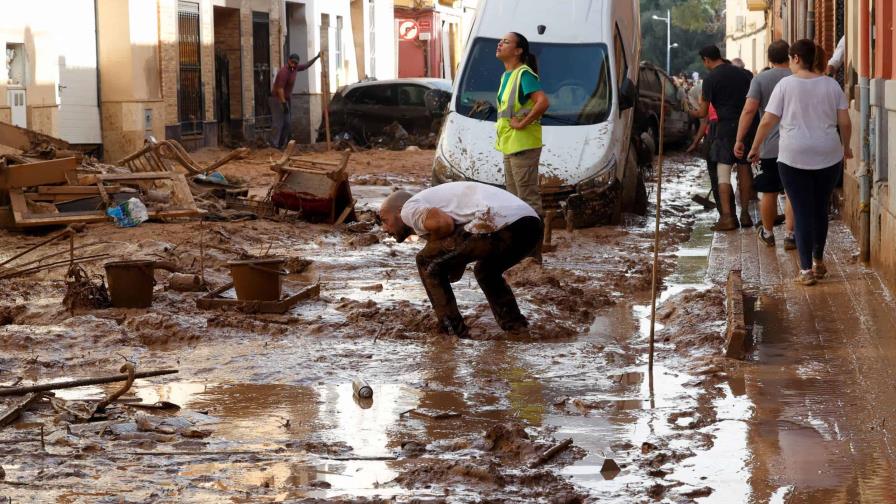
point(575, 78)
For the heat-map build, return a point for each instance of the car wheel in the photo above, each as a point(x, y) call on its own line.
point(653, 131)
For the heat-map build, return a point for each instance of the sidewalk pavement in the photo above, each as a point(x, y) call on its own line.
point(820, 371)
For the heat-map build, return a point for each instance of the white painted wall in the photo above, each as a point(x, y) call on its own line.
point(60, 49)
point(78, 120)
point(385, 40)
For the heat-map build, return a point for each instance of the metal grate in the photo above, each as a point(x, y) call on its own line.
point(261, 68)
point(190, 110)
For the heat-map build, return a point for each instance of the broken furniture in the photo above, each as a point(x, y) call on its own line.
point(215, 300)
point(319, 190)
point(165, 194)
point(166, 155)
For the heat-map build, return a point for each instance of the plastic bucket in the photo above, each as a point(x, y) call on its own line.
point(130, 283)
point(258, 279)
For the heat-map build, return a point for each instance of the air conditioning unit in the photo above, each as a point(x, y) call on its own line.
point(757, 5)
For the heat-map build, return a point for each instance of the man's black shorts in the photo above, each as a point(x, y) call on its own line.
point(722, 150)
point(768, 180)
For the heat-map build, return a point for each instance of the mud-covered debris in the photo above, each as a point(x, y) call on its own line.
point(296, 265)
point(647, 447)
point(364, 240)
point(698, 492)
point(83, 292)
point(412, 448)
point(509, 442)
point(610, 468)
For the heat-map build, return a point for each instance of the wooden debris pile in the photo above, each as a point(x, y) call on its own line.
point(44, 182)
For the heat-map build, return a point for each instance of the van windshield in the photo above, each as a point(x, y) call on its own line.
point(575, 78)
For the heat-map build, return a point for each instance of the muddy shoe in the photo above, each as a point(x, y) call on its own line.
point(819, 269)
point(745, 220)
point(725, 224)
point(789, 243)
point(806, 278)
point(769, 240)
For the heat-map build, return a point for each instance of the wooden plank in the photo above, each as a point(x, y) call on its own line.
point(210, 301)
point(136, 176)
point(36, 174)
point(737, 327)
point(346, 212)
point(12, 414)
point(74, 189)
point(23, 139)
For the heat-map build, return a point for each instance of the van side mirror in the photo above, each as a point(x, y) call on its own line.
point(628, 94)
point(437, 101)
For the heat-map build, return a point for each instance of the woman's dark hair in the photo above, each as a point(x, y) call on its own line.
point(812, 56)
point(527, 57)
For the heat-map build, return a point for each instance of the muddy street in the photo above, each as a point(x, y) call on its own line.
point(263, 409)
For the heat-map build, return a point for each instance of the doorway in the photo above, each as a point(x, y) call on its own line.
point(228, 76)
point(261, 68)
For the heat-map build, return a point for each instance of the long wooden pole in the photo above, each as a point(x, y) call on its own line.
point(12, 391)
point(656, 236)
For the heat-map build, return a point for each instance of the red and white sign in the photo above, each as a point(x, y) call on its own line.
point(408, 30)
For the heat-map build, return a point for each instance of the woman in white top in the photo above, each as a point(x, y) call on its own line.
point(815, 131)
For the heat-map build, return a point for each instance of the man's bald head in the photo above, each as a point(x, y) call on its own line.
point(390, 214)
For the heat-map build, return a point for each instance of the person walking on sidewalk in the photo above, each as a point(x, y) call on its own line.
point(521, 103)
point(810, 109)
point(707, 134)
point(281, 92)
point(465, 222)
point(768, 182)
point(726, 89)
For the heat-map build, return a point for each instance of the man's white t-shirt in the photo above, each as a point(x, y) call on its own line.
point(808, 111)
point(480, 208)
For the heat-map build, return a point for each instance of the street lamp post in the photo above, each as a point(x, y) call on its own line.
point(669, 44)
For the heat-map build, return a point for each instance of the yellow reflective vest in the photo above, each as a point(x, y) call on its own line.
point(509, 140)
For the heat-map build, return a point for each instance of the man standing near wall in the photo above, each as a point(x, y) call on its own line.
point(280, 96)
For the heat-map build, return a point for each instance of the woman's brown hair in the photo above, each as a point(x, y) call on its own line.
point(812, 55)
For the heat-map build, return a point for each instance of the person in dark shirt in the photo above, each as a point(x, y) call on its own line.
point(726, 89)
point(281, 91)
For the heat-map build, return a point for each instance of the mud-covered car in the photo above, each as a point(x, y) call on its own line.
point(366, 109)
point(647, 110)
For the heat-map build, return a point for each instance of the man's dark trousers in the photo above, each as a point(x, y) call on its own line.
point(280, 123)
point(442, 262)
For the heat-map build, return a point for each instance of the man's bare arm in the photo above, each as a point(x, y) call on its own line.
point(438, 224)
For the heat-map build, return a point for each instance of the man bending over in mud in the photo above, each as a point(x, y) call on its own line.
point(464, 222)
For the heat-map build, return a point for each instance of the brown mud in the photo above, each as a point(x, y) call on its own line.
point(267, 411)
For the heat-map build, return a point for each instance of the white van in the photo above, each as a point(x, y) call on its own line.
point(588, 53)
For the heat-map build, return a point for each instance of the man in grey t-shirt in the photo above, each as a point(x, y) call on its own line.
point(768, 182)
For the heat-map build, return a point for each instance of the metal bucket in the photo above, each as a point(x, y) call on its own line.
point(130, 283)
point(258, 279)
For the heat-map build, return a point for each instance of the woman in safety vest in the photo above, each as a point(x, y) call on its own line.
point(521, 103)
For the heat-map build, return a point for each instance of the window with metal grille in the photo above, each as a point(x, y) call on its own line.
point(261, 68)
point(190, 109)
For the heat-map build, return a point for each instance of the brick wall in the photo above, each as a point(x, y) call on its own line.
point(227, 43)
point(207, 57)
point(248, 83)
point(169, 58)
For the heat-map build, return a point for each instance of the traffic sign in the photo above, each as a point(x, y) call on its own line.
point(408, 30)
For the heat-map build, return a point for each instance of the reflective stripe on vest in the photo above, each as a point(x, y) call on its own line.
point(506, 109)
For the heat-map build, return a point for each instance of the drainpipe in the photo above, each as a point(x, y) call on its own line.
point(865, 111)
